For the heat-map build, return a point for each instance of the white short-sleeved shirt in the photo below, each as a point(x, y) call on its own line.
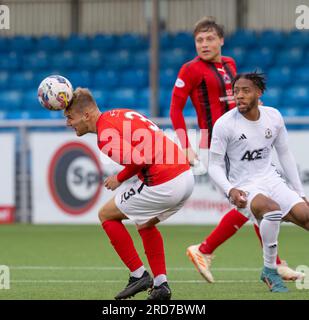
point(247, 144)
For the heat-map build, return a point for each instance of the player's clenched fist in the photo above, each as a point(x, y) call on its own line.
point(238, 198)
point(111, 183)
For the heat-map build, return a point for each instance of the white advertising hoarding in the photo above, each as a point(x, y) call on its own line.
point(7, 177)
point(67, 175)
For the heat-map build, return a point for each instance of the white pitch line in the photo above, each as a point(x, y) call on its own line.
point(123, 281)
point(122, 268)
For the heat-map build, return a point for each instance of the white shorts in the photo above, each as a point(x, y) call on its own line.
point(141, 203)
point(276, 189)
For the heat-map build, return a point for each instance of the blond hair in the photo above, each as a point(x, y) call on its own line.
point(82, 99)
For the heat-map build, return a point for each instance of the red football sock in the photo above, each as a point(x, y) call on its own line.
point(154, 249)
point(228, 226)
point(257, 231)
point(122, 243)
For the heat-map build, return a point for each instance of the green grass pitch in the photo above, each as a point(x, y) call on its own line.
point(78, 262)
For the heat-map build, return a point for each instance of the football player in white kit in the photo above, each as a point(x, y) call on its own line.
point(240, 163)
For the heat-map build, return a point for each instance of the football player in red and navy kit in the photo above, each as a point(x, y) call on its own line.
point(207, 81)
point(164, 183)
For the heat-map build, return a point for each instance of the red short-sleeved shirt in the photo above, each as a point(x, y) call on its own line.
point(134, 141)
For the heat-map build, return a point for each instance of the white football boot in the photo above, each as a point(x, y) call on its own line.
point(201, 261)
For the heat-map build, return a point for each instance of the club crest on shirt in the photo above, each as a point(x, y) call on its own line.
point(268, 133)
point(179, 83)
point(114, 113)
point(226, 78)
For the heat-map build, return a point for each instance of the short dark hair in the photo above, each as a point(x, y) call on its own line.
point(208, 24)
point(258, 79)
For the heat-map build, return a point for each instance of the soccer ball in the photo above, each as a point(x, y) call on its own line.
point(55, 92)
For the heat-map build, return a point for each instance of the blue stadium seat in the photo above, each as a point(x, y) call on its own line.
point(289, 57)
point(39, 114)
point(80, 78)
point(272, 97)
point(166, 40)
point(259, 58)
point(21, 80)
point(22, 43)
point(183, 40)
point(37, 60)
point(30, 100)
point(45, 114)
point(132, 42)
point(189, 110)
point(108, 61)
point(242, 38)
point(237, 53)
point(90, 60)
point(295, 112)
point(55, 115)
point(306, 58)
point(143, 98)
point(167, 78)
point(76, 43)
point(244, 69)
point(173, 58)
point(18, 115)
point(297, 96)
point(103, 42)
point(10, 100)
point(4, 80)
point(63, 60)
point(134, 79)
point(304, 111)
point(288, 112)
point(165, 101)
point(279, 76)
point(4, 45)
point(122, 98)
point(296, 38)
point(105, 79)
point(141, 59)
point(271, 39)
point(3, 115)
point(49, 43)
point(301, 75)
point(11, 61)
point(191, 55)
point(118, 60)
point(101, 97)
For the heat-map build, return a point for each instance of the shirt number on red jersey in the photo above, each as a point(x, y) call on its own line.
point(130, 115)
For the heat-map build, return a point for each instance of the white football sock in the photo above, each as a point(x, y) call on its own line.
point(269, 230)
point(138, 272)
point(159, 279)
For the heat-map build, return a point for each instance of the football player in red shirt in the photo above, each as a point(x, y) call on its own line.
point(164, 183)
point(207, 80)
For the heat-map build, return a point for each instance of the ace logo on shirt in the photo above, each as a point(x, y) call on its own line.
point(255, 154)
